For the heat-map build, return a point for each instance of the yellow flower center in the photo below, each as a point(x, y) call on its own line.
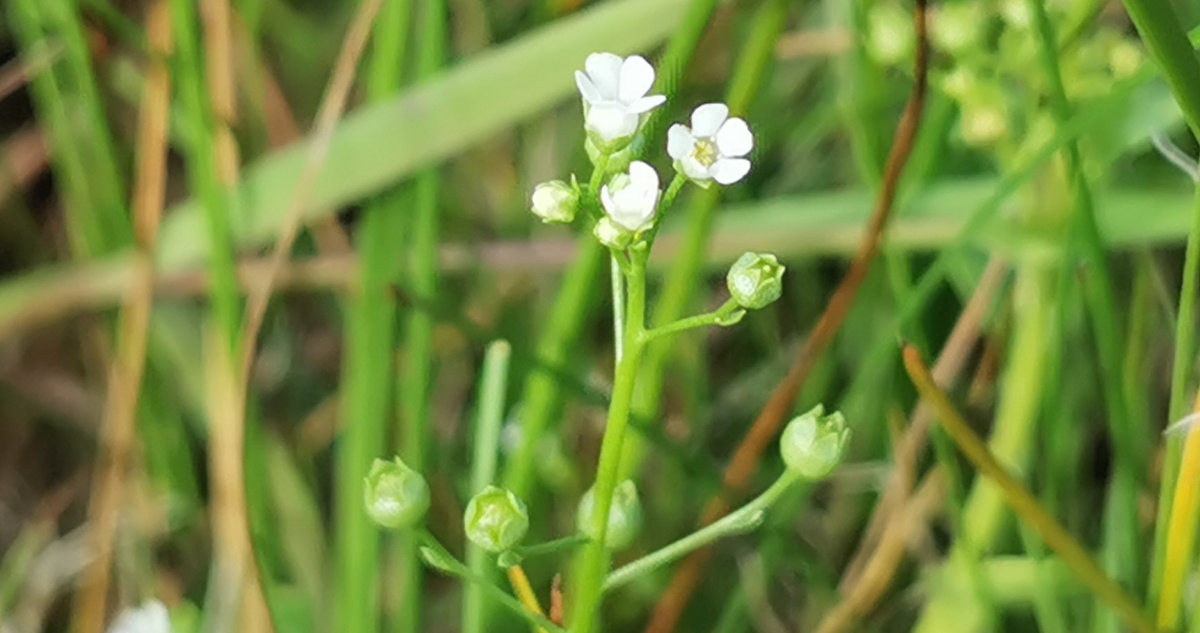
point(705, 152)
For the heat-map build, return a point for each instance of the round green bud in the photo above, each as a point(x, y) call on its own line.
point(755, 280)
point(891, 39)
point(958, 27)
point(813, 444)
point(983, 122)
point(395, 495)
point(624, 517)
point(1125, 58)
point(555, 201)
point(495, 520)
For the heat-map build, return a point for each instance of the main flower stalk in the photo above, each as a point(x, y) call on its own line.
point(594, 562)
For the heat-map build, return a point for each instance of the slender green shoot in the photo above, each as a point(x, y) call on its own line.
point(486, 439)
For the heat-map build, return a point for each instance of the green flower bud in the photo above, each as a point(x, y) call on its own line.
point(957, 27)
point(983, 122)
point(556, 201)
point(813, 444)
point(890, 36)
point(1125, 58)
point(496, 520)
point(612, 235)
point(624, 517)
point(395, 495)
point(1016, 14)
point(755, 280)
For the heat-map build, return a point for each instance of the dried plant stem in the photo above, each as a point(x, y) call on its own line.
point(1023, 503)
point(879, 570)
point(119, 430)
point(949, 364)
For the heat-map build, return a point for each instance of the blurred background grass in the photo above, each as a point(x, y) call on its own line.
point(154, 154)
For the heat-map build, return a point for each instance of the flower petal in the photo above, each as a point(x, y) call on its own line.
point(707, 119)
point(611, 122)
point(637, 75)
point(646, 104)
point(693, 169)
point(590, 93)
point(606, 200)
point(730, 170)
point(734, 138)
point(679, 141)
point(642, 176)
point(604, 69)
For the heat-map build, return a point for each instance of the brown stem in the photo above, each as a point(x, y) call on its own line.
point(118, 436)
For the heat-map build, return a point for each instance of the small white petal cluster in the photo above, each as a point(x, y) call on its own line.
point(151, 617)
point(631, 200)
point(713, 148)
point(614, 94)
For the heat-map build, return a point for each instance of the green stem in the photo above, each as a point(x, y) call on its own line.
point(1130, 442)
point(594, 559)
point(726, 315)
point(446, 562)
point(742, 520)
point(551, 547)
point(618, 303)
point(368, 368)
point(416, 377)
point(1161, 30)
point(680, 285)
point(494, 382)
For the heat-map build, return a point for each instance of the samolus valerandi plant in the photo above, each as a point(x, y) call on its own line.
point(622, 206)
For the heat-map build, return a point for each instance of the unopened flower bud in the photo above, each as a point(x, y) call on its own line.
point(611, 235)
point(984, 123)
point(755, 280)
point(395, 495)
point(813, 444)
point(1125, 58)
point(624, 517)
point(495, 520)
point(555, 201)
point(1016, 13)
point(957, 27)
point(890, 36)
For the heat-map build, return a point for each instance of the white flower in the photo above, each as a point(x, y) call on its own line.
point(631, 200)
point(151, 617)
point(555, 201)
point(714, 146)
point(614, 94)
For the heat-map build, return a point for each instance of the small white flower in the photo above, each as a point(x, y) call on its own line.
point(555, 201)
point(151, 617)
point(713, 148)
point(614, 94)
point(631, 200)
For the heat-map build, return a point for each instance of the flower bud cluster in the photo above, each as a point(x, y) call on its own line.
point(993, 48)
